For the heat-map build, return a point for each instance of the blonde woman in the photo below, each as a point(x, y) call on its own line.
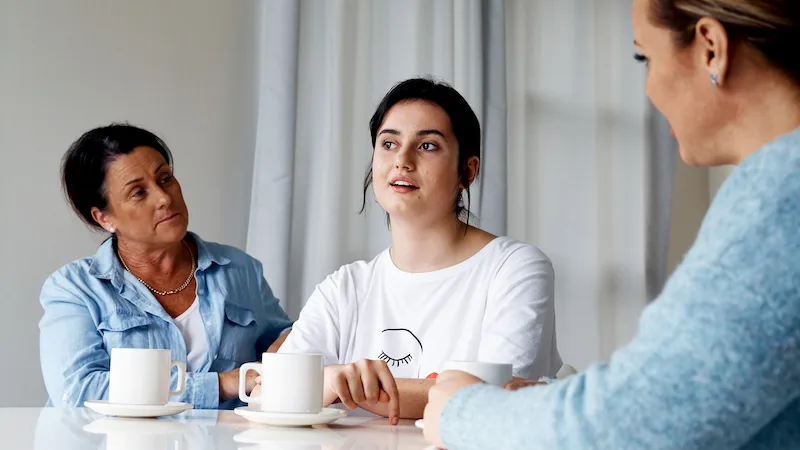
point(716, 364)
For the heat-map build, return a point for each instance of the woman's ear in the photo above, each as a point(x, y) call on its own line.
point(473, 166)
point(715, 46)
point(103, 220)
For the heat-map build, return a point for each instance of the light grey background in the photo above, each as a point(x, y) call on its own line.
point(184, 69)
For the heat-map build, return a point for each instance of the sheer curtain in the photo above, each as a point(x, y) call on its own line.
point(324, 67)
point(579, 164)
point(568, 161)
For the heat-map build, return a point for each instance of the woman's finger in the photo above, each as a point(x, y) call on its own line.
point(356, 386)
point(389, 386)
point(342, 388)
point(372, 385)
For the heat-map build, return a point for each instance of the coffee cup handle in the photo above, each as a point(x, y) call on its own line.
point(181, 377)
point(243, 380)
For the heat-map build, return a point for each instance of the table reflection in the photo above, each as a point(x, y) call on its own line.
point(73, 429)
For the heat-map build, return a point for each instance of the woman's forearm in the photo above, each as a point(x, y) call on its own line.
point(413, 397)
point(278, 342)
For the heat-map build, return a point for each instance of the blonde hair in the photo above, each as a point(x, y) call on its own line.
point(770, 26)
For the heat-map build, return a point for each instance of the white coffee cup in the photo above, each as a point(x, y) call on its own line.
point(141, 376)
point(492, 373)
point(290, 383)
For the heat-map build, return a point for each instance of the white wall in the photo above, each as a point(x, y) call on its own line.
point(183, 68)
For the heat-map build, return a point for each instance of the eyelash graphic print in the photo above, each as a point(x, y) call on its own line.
point(395, 362)
point(402, 351)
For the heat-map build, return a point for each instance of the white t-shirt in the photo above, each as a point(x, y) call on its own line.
point(194, 335)
point(496, 306)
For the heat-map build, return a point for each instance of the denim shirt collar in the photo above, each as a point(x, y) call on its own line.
point(105, 264)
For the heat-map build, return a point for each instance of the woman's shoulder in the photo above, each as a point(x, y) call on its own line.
point(768, 171)
point(759, 200)
point(79, 269)
point(507, 250)
point(94, 266)
point(80, 281)
point(100, 265)
point(349, 282)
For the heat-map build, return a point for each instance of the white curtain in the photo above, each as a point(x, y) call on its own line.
point(716, 178)
point(324, 67)
point(567, 163)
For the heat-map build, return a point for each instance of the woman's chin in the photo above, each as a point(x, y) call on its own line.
point(401, 212)
point(691, 157)
point(173, 231)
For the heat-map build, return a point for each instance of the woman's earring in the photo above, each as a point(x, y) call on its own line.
point(460, 200)
point(714, 80)
point(111, 230)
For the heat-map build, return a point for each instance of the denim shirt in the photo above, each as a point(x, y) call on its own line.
point(93, 305)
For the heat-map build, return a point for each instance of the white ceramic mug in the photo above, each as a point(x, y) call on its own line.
point(492, 373)
point(141, 376)
point(290, 383)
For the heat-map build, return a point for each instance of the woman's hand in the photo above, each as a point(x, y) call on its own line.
point(255, 394)
point(519, 383)
point(366, 381)
point(229, 384)
point(447, 384)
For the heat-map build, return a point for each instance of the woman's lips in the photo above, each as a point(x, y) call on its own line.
point(169, 219)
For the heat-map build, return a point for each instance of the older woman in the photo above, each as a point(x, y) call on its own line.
point(716, 364)
point(152, 284)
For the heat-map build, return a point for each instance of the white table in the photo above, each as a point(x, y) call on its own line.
point(67, 429)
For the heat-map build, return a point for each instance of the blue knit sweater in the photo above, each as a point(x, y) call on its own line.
point(716, 362)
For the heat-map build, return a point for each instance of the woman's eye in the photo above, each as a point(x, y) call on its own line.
point(428, 146)
point(641, 58)
point(388, 145)
point(137, 193)
point(395, 362)
point(166, 179)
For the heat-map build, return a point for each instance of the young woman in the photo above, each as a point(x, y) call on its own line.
point(444, 290)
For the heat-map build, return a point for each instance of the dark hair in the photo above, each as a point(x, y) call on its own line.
point(770, 26)
point(464, 122)
point(84, 166)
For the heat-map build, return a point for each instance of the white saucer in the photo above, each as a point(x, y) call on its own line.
point(120, 410)
point(420, 424)
point(134, 426)
point(327, 415)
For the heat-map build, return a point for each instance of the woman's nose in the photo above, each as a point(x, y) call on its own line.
point(404, 159)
